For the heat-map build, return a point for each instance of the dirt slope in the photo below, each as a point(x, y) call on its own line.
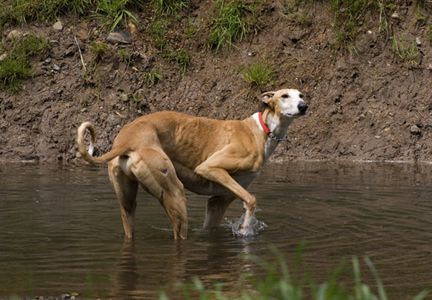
point(364, 105)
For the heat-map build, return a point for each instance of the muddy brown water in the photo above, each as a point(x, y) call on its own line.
point(60, 230)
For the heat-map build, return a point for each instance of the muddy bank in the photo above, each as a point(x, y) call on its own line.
point(365, 104)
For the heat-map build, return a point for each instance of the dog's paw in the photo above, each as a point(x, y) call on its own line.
point(246, 231)
point(252, 229)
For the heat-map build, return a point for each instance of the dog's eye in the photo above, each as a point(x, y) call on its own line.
point(301, 96)
point(285, 96)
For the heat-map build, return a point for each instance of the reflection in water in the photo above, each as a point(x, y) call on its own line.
point(126, 281)
point(61, 230)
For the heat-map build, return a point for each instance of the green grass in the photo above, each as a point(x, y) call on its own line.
point(231, 23)
point(115, 13)
point(99, 49)
point(349, 15)
point(278, 283)
point(112, 13)
point(405, 51)
point(158, 31)
point(181, 57)
point(16, 67)
point(17, 12)
point(152, 77)
point(13, 71)
point(125, 55)
point(169, 6)
point(258, 74)
point(29, 45)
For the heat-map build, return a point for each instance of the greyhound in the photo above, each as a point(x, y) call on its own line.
point(166, 152)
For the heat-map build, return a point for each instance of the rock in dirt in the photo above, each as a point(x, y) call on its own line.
point(132, 28)
point(415, 130)
point(119, 37)
point(124, 97)
point(58, 26)
point(3, 57)
point(73, 48)
point(13, 34)
point(395, 16)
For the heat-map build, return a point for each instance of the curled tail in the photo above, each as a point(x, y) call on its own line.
point(87, 154)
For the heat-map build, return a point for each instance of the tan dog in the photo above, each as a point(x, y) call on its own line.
point(166, 152)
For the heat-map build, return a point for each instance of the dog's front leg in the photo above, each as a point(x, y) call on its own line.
point(215, 169)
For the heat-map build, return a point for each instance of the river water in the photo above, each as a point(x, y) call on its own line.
point(60, 230)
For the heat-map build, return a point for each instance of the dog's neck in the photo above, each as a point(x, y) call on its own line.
point(278, 127)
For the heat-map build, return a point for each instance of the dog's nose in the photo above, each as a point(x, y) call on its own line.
point(302, 107)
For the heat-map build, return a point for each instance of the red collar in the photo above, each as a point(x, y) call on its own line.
point(263, 125)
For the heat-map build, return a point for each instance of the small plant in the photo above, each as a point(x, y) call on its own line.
point(349, 16)
point(405, 52)
point(152, 77)
point(158, 31)
point(169, 6)
point(181, 57)
point(295, 14)
point(99, 49)
point(13, 71)
point(125, 55)
point(190, 29)
point(29, 45)
point(230, 23)
point(259, 74)
point(16, 66)
point(115, 12)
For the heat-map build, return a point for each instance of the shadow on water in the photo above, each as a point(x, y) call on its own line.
point(61, 230)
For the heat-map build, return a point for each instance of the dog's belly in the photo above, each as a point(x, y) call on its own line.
point(199, 185)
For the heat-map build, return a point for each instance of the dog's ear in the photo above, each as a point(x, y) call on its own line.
point(266, 100)
point(267, 96)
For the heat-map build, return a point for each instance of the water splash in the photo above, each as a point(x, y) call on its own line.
point(253, 229)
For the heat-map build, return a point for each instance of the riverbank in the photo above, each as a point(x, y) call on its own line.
point(367, 86)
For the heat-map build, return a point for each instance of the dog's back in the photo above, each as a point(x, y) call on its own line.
point(185, 139)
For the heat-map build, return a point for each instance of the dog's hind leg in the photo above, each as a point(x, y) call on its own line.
point(216, 207)
point(126, 191)
point(157, 175)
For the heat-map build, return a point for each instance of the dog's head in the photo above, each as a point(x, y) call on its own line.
point(287, 103)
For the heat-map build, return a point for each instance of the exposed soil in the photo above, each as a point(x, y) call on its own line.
point(364, 104)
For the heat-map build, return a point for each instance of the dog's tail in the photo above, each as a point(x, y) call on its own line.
point(88, 154)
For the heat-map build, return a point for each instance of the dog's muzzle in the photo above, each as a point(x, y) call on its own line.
point(302, 107)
